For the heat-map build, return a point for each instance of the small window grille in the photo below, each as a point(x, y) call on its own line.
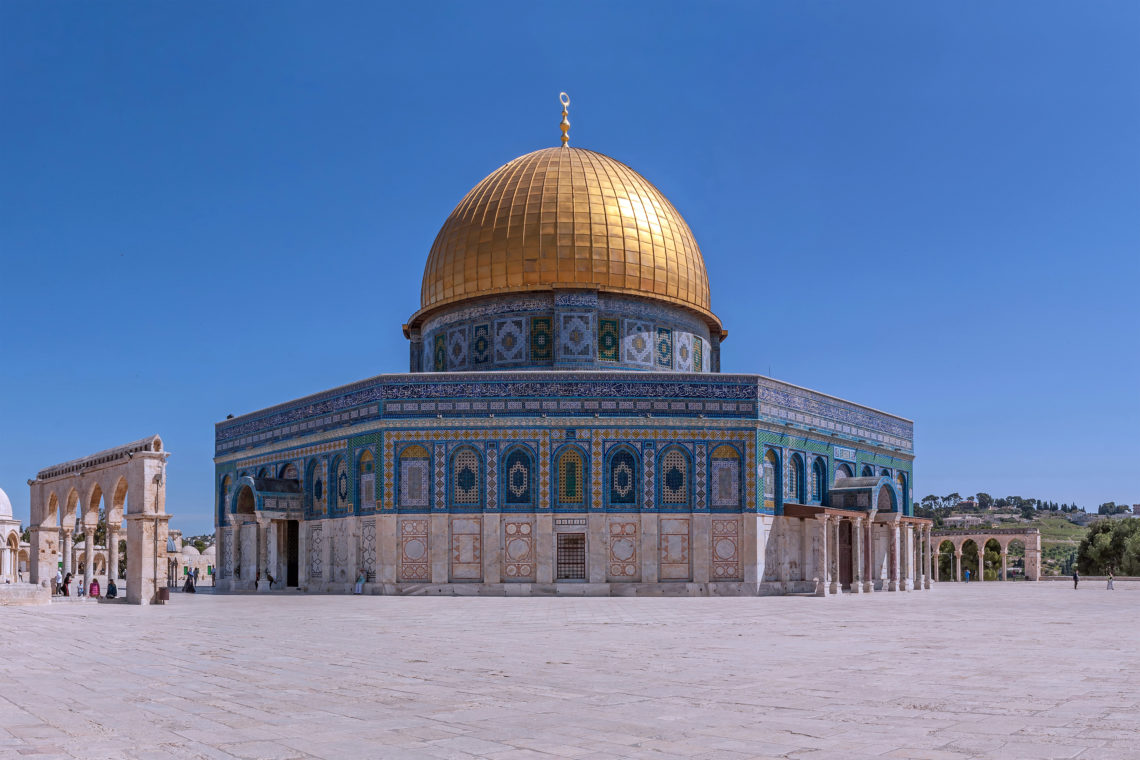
point(571, 556)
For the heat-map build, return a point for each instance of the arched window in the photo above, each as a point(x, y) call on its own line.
point(818, 479)
point(886, 500)
point(466, 480)
point(901, 480)
point(868, 471)
point(724, 478)
point(415, 478)
point(623, 478)
point(316, 498)
point(884, 473)
point(795, 492)
point(288, 471)
point(518, 490)
point(340, 499)
point(674, 475)
point(571, 489)
point(366, 480)
point(263, 473)
point(843, 471)
point(771, 476)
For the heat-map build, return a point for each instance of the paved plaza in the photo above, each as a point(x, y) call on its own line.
point(980, 671)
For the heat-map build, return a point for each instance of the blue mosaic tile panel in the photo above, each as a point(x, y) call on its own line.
point(575, 336)
point(609, 344)
point(663, 348)
point(510, 340)
point(481, 345)
point(637, 343)
point(541, 339)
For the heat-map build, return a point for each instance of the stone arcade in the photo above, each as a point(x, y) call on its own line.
point(131, 482)
point(565, 428)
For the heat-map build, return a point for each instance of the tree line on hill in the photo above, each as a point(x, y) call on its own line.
point(1110, 546)
point(938, 507)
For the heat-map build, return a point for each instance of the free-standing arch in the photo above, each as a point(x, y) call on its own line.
point(138, 467)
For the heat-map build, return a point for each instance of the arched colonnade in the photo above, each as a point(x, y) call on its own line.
point(130, 481)
point(1003, 537)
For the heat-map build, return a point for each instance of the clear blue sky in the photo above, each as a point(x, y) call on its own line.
point(929, 208)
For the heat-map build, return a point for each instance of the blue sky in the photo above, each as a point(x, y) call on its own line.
point(928, 208)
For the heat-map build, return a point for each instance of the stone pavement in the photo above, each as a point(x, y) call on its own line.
point(1014, 670)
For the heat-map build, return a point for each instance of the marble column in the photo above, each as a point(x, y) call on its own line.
point(894, 558)
point(929, 556)
point(261, 541)
point(908, 570)
point(67, 540)
point(89, 558)
point(112, 555)
point(958, 565)
point(821, 556)
point(833, 565)
point(1004, 563)
point(857, 556)
point(869, 558)
point(981, 562)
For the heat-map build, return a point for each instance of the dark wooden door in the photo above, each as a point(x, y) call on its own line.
point(292, 561)
point(845, 554)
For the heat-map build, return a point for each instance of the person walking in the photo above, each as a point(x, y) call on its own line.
point(967, 575)
point(67, 585)
point(1076, 579)
point(1110, 580)
point(359, 588)
point(57, 583)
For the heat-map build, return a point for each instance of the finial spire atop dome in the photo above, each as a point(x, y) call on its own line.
point(564, 99)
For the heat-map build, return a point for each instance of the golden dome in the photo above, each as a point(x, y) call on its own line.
point(565, 218)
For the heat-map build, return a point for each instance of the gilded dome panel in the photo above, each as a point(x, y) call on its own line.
point(564, 218)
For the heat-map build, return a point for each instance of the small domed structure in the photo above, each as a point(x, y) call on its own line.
point(189, 550)
point(5, 506)
point(209, 551)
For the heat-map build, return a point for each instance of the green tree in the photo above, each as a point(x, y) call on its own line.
point(985, 501)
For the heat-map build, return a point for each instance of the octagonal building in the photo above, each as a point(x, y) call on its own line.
point(564, 428)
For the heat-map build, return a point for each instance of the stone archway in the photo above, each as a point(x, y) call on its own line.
point(134, 476)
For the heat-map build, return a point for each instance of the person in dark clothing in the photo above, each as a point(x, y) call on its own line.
point(1076, 579)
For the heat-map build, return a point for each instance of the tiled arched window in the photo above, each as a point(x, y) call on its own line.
point(884, 473)
point(674, 478)
point(771, 473)
point(843, 471)
point(795, 492)
point(340, 500)
point(415, 478)
point(288, 471)
point(516, 485)
point(901, 480)
point(868, 471)
point(623, 479)
point(818, 479)
point(366, 480)
point(724, 478)
point(466, 478)
point(316, 489)
point(571, 468)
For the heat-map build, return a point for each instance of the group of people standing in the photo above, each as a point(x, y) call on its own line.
point(61, 586)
